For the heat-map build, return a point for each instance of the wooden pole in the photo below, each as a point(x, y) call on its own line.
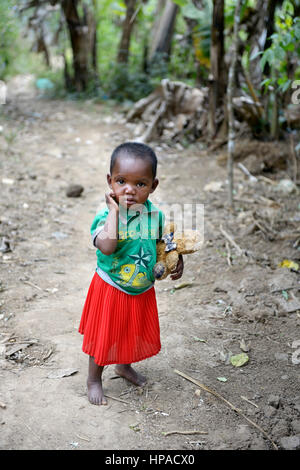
point(217, 75)
point(230, 93)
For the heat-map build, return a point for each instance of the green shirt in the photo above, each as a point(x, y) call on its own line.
point(130, 267)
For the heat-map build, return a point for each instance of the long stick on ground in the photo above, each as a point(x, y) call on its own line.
point(234, 408)
point(185, 433)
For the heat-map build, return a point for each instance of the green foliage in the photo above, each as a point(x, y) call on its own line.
point(16, 56)
point(201, 32)
point(123, 84)
point(277, 62)
point(285, 45)
point(180, 3)
point(9, 32)
point(230, 10)
point(133, 81)
point(203, 15)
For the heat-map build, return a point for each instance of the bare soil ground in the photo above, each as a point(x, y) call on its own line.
point(232, 302)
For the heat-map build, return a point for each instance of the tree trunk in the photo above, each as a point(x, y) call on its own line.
point(230, 93)
point(123, 53)
point(272, 4)
point(162, 40)
point(160, 5)
point(217, 76)
point(80, 37)
point(42, 47)
point(259, 27)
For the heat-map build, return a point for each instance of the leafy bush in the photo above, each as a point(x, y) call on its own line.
point(123, 84)
point(9, 32)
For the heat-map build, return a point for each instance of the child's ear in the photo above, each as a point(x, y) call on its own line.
point(154, 185)
point(108, 178)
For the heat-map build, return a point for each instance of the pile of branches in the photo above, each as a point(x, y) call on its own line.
point(175, 110)
point(171, 111)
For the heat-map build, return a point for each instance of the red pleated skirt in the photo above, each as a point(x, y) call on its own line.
point(119, 328)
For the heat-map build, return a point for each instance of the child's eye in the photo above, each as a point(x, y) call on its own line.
point(141, 185)
point(120, 181)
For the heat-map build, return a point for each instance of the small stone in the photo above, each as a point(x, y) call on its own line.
point(242, 437)
point(295, 424)
point(258, 443)
point(281, 428)
point(282, 357)
point(59, 235)
point(74, 190)
point(274, 401)
point(269, 411)
point(290, 442)
point(5, 246)
point(243, 432)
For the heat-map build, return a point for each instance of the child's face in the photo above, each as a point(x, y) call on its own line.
point(131, 180)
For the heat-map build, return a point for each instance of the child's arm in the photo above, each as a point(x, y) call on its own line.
point(106, 241)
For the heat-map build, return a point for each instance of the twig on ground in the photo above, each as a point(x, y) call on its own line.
point(33, 285)
point(228, 253)
point(249, 401)
point(234, 408)
point(83, 438)
point(36, 435)
point(267, 233)
point(117, 399)
point(169, 433)
point(232, 242)
point(267, 180)
point(247, 172)
point(288, 235)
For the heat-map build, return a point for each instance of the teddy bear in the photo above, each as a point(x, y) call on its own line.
point(170, 246)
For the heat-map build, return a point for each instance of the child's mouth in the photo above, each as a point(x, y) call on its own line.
point(127, 201)
point(130, 201)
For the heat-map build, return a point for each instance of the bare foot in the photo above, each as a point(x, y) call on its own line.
point(94, 384)
point(126, 371)
point(95, 393)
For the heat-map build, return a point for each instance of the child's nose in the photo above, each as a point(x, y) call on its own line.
point(129, 189)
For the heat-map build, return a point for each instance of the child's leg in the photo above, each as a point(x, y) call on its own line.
point(126, 371)
point(94, 383)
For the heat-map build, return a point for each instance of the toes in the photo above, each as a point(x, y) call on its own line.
point(104, 401)
point(95, 400)
point(96, 395)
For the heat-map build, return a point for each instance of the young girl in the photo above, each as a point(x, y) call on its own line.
point(120, 319)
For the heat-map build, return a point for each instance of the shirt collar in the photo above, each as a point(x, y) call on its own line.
point(127, 215)
point(131, 214)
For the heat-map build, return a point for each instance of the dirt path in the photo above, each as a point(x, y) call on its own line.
point(47, 145)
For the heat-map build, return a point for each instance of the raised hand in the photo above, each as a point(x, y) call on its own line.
point(111, 201)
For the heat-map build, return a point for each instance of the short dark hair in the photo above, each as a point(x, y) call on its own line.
point(136, 150)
